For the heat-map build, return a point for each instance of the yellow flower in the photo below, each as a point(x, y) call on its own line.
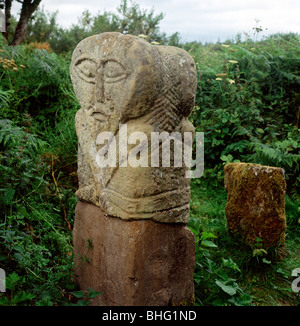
point(221, 75)
point(1, 50)
point(226, 45)
point(154, 43)
point(22, 66)
point(142, 35)
point(232, 61)
point(15, 68)
point(218, 78)
point(231, 81)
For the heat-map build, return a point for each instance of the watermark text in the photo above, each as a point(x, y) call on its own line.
point(2, 21)
point(166, 150)
point(2, 280)
point(296, 282)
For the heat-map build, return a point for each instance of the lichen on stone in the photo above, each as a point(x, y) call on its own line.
point(256, 203)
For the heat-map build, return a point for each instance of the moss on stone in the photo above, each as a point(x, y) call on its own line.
point(256, 203)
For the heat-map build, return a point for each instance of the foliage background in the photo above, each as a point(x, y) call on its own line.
point(248, 105)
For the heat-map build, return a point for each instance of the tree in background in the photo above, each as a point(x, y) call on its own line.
point(128, 19)
point(36, 25)
point(27, 9)
point(42, 26)
point(175, 40)
point(135, 21)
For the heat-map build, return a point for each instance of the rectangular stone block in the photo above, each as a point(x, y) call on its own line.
point(256, 203)
point(135, 262)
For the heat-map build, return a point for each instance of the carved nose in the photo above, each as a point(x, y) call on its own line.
point(99, 90)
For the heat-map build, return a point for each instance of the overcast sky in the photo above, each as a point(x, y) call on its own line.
point(200, 20)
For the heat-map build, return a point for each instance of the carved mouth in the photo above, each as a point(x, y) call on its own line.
point(99, 116)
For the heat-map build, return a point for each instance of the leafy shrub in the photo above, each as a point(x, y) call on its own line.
point(216, 278)
point(35, 254)
point(38, 149)
point(38, 81)
point(248, 105)
point(19, 163)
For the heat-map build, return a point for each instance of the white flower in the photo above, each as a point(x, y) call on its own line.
point(221, 75)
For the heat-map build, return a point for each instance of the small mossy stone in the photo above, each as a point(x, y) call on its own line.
point(255, 206)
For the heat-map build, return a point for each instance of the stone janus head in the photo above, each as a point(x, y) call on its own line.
point(123, 80)
point(119, 77)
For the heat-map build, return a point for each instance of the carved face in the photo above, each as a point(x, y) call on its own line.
point(114, 77)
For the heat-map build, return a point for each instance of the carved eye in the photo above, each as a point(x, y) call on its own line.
point(86, 69)
point(113, 72)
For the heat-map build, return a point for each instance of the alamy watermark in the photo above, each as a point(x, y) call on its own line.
point(2, 21)
point(159, 145)
point(296, 282)
point(2, 280)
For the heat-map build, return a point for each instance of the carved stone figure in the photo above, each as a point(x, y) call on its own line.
point(122, 80)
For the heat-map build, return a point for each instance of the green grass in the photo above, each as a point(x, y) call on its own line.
point(227, 272)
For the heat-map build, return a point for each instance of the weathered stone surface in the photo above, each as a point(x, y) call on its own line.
point(256, 203)
point(123, 80)
point(136, 263)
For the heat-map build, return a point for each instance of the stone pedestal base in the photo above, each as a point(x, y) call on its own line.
point(133, 263)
